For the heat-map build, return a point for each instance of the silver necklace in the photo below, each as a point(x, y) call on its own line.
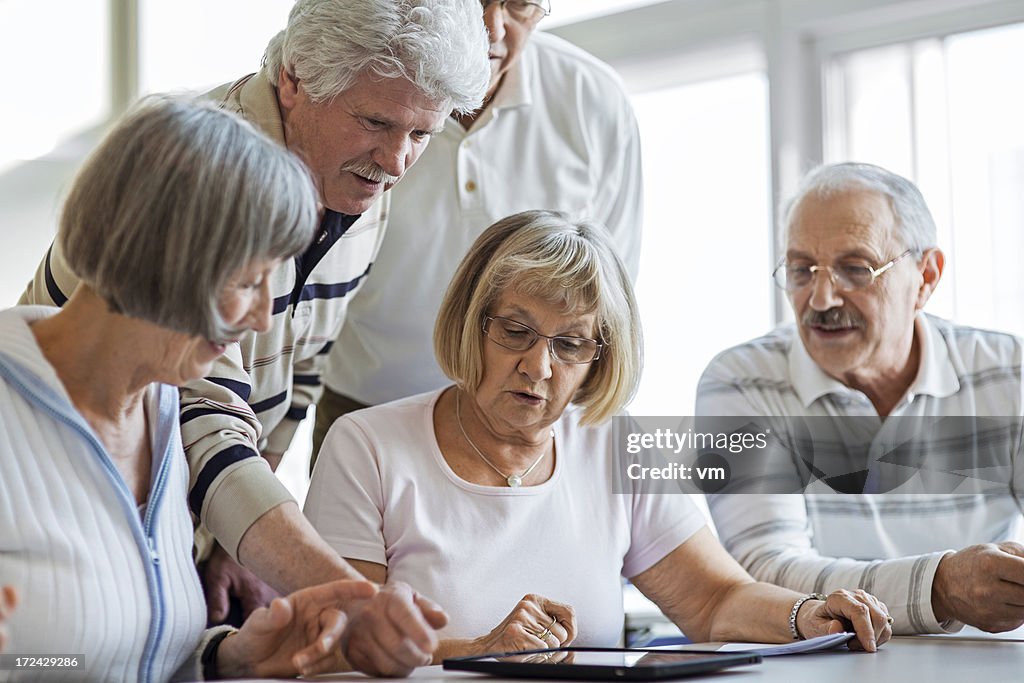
point(513, 480)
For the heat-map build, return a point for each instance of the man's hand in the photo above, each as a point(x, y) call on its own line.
point(223, 578)
point(392, 633)
point(295, 635)
point(982, 585)
point(8, 601)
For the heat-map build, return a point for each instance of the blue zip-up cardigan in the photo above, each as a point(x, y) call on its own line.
point(96, 577)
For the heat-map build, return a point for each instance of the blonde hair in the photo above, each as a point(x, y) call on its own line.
point(568, 263)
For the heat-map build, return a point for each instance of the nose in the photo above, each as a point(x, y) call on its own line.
point(824, 294)
point(260, 311)
point(392, 154)
point(536, 361)
point(494, 20)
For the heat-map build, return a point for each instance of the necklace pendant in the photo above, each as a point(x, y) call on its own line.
point(514, 480)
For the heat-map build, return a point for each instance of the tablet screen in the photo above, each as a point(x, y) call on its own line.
point(616, 658)
point(600, 663)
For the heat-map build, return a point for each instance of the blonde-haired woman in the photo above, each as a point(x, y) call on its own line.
point(498, 492)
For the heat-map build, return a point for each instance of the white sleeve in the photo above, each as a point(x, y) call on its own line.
point(345, 503)
point(661, 522)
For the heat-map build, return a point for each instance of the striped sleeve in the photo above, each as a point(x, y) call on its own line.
point(769, 535)
point(230, 485)
point(52, 283)
point(306, 390)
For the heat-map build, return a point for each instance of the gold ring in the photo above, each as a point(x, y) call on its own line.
point(554, 620)
point(890, 620)
point(544, 634)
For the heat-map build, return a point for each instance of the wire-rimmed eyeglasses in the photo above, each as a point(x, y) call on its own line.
point(516, 336)
point(846, 277)
point(524, 11)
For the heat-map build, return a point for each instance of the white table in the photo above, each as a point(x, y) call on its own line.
point(918, 659)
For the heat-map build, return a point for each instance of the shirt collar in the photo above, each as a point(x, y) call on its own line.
point(514, 91)
point(936, 375)
point(258, 104)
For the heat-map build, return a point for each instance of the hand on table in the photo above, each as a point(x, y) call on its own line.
point(393, 632)
point(982, 585)
point(844, 610)
point(296, 635)
point(534, 623)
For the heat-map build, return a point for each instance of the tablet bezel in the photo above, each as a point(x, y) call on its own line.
point(709, 663)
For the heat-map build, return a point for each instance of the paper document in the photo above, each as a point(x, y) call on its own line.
point(795, 648)
point(768, 650)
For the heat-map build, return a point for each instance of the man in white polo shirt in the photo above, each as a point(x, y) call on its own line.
point(860, 263)
point(556, 132)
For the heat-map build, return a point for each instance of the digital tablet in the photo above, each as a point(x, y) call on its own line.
point(600, 664)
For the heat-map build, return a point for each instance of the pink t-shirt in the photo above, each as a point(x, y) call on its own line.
point(382, 492)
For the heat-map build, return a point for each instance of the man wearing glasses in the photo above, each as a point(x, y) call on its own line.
point(556, 132)
point(862, 363)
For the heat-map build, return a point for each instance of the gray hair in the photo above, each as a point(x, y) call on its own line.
point(571, 264)
point(438, 45)
point(914, 223)
point(176, 199)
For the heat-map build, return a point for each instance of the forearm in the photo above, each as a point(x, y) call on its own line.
point(456, 647)
point(754, 613)
point(770, 537)
point(283, 549)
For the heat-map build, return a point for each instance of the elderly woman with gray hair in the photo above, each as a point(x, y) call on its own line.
point(501, 486)
point(172, 226)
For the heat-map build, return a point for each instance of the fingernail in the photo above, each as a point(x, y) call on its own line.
point(325, 643)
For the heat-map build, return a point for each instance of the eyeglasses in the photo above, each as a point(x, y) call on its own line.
point(515, 336)
point(523, 11)
point(846, 277)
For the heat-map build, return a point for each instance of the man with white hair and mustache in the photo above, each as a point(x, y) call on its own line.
point(860, 262)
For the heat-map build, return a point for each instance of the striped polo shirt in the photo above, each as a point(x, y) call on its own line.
point(888, 544)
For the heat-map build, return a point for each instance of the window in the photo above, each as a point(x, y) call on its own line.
point(57, 82)
point(197, 45)
point(704, 280)
point(946, 113)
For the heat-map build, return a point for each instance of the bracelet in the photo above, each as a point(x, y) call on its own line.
point(208, 661)
point(796, 608)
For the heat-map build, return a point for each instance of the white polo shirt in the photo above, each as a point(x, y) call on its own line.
point(891, 544)
point(560, 134)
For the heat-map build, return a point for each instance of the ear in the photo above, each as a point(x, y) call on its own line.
point(287, 90)
point(931, 266)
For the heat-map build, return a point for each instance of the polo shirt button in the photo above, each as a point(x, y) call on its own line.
point(470, 186)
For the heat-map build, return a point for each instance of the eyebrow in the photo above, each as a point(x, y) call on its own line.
point(857, 252)
point(391, 123)
point(573, 330)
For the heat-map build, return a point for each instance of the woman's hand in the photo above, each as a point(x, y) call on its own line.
point(845, 611)
point(299, 634)
point(533, 624)
point(8, 601)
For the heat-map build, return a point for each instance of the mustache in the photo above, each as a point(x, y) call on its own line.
point(371, 171)
point(833, 318)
